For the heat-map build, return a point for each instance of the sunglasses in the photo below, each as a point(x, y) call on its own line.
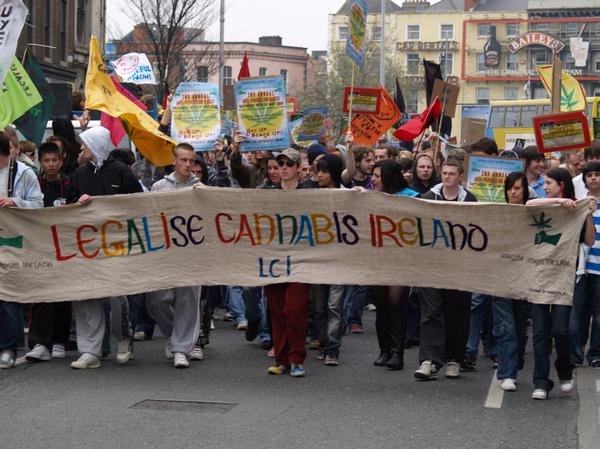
point(289, 163)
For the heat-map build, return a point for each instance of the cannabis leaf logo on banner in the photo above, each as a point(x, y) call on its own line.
point(566, 99)
point(543, 223)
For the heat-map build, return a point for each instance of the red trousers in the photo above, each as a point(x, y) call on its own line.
point(288, 306)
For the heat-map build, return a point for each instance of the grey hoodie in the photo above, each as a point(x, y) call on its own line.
point(170, 183)
point(436, 194)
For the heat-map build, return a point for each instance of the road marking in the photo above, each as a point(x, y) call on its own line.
point(20, 360)
point(495, 395)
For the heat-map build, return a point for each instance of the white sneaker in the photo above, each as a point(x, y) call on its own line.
point(539, 394)
point(124, 351)
point(212, 324)
point(58, 351)
point(508, 384)
point(180, 360)
point(452, 370)
point(139, 336)
point(39, 353)
point(168, 353)
point(7, 359)
point(426, 371)
point(566, 386)
point(242, 325)
point(86, 361)
point(371, 308)
point(197, 353)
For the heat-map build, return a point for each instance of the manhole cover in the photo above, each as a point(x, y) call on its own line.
point(185, 406)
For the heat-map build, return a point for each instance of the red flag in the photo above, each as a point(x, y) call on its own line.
point(117, 132)
point(411, 129)
point(245, 69)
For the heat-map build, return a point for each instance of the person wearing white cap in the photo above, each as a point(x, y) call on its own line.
point(100, 175)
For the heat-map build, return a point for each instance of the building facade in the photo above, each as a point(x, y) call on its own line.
point(492, 46)
point(57, 33)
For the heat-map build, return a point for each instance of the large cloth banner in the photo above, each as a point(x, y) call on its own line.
point(12, 18)
point(209, 236)
point(196, 115)
point(262, 113)
point(18, 96)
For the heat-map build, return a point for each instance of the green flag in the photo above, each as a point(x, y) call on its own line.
point(33, 123)
point(18, 94)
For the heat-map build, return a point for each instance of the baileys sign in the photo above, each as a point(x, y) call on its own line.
point(535, 38)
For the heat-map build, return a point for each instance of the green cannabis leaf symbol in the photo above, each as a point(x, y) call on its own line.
point(566, 99)
point(542, 223)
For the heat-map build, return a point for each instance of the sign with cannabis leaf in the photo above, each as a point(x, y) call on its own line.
point(486, 176)
point(262, 113)
point(196, 115)
point(313, 123)
point(357, 29)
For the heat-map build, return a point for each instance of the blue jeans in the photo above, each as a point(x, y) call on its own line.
point(235, 303)
point(480, 305)
point(587, 292)
point(256, 310)
point(357, 302)
point(139, 316)
point(510, 332)
point(550, 321)
point(11, 325)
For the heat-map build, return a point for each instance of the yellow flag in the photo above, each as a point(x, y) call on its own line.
point(572, 95)
point(101, 95)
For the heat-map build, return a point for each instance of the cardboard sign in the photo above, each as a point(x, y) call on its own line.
point(472, 129)
point(448, 94)
point(292, 105)
point(364, 100)
point(367, 128)
point(486, 176)
point(561, 132)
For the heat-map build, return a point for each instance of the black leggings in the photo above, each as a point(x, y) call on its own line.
point(390, 318)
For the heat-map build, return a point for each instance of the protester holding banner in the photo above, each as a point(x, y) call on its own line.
point(273, 173)
point(51, 321)
point(552, 321)
point(364, 162)
point(315, 153)
point(423, 175)
point(444, 312)
point(391, 301)
point(288, 302)
point(100, 175)
point(19, 187)
point(589, 154)
point(587, 293)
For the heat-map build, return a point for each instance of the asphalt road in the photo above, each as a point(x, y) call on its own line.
point(233, 403)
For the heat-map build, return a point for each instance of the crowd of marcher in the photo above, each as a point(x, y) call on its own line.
point(449, 326)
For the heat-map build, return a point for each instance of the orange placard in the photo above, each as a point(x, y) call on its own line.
point(367, 128)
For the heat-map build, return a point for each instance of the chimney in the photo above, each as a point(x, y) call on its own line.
point(274, 41)
point(415, 5)
point(470, 4)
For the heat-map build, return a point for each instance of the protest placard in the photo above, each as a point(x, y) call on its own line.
point(367, 128)
point(228, 98)
point(561, 132)
point(313, 123)
point(151, 241)
point(364, 100)
point(262, 113)
point(448, 94)
point(134, 68)
point(292, 105)
point(357, 31)
point(486, 176)
point(196, 115)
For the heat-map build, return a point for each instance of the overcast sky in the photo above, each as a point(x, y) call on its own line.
point(301, 23)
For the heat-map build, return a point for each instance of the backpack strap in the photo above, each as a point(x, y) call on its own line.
point(12, 177)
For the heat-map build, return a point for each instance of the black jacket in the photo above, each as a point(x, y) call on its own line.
point(113, 178)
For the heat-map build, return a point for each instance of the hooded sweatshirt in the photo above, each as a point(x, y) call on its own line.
point(97, 139)
point(169, 182)
point(436, 194)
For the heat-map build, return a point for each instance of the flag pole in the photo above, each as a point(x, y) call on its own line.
point(351, 97)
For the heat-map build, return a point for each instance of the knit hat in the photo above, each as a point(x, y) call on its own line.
point(97, 139)
point(314, 151)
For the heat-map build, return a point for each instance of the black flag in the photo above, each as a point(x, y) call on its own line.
point(399, 98)
point(433, 72)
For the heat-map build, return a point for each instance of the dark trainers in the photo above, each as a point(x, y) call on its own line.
point(252, 330)
point(468, 364)
point(331, 360)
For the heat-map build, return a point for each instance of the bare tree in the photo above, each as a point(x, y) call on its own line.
point(171, 26)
